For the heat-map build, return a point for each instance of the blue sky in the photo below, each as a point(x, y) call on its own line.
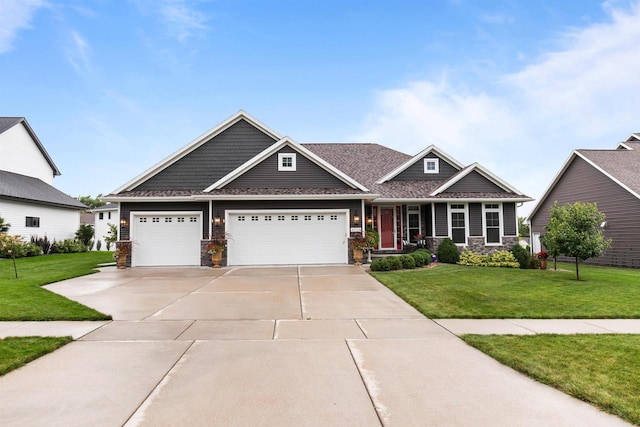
point(112, 87)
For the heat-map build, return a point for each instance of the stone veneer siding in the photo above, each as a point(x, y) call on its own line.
point(475, 244)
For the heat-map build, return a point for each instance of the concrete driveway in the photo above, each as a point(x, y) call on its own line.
point(279, 346)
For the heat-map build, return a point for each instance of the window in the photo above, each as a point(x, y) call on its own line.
point(32, 221)
point(413, 222)
point(108, 215)
point(267, 217)
point(431, 165)
point(458, 224)
point(492, 222)
point(286, 161)
point(280, 217)
point(241, 218)
point(101, 216)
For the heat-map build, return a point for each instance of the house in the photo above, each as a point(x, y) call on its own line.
point(102, 218)
point(611, 179)
point(281, 202)
point(28, 200)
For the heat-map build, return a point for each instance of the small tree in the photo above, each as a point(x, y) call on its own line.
point(523, 228)
point(85, 235)
point(112, 236)
point(448, 252)
point(574, 230)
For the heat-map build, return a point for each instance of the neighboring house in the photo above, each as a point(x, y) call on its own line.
point(103, 216)
point(28, 200)
point(610, 178)
point(282, 202)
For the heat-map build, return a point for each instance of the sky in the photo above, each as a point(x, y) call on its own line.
point(113, 87)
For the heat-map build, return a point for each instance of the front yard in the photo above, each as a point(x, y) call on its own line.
point(454, 291)
point(24, 299)
point(599, 369)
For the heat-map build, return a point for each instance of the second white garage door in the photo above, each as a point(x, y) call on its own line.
point(287, 237)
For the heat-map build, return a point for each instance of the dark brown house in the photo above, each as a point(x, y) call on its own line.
point(282, 202)
point(610, 178)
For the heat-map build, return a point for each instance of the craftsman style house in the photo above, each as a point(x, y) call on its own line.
point(28, 200)
point(281, 202)
point(611, 179)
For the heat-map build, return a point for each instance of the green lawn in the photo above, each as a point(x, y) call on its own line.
point(24, 299)
point(18, 351)
point(454, 291)
point(600, 369)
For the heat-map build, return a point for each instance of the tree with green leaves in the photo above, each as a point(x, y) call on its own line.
point(91, 202)
point(575, 230)
point(523, 228)
point(85, 235)
point(112, 236)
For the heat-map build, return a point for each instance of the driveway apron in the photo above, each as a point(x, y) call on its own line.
point(270, 346)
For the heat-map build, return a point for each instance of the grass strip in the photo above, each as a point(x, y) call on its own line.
point(599, 369)
point(18, 351)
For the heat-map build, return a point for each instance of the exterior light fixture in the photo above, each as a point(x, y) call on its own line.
point(123, 222)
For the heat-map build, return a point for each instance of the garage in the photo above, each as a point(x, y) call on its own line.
point(287, 237)
point(165, 239)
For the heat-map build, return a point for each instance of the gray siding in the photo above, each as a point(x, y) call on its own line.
point(415, 172)
point(427, 220)
point(127, 208)
point(582, 182)
point(510, 219)
point(442, 221)
point(211, 161)
point(475, 219)
point(306, 175)
point(474, 183)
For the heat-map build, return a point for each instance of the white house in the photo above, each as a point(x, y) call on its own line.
point(104, 216)
point(28, 200)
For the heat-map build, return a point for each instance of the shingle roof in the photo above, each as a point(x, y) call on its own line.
point(623, 165)
point(7, 123)
point(26, 188)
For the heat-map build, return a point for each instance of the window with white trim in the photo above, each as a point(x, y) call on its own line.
point(32, 221)
point(413, 222)
point(431, 165)
point(458, 224)
point(492, 223)
point(286, 161)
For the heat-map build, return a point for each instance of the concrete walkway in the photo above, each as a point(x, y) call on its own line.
point(273, 346)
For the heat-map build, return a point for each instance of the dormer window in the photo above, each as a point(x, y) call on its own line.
point(431, 165)
point(286, 161)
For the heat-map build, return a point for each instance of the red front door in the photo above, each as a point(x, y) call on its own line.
point(386, 228)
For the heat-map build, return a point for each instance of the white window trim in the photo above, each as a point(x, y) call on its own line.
point(282, 168)
point(484, 222)
point(419, 213)
point(466, 221)
point(428, 160)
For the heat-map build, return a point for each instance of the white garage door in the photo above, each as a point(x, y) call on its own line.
point(287, 237)
point(166, 239)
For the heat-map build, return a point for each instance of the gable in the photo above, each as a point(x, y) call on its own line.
point(307, 174)
point(474, 182)
point(212, 160)
point(416, 171)
point(22, 152)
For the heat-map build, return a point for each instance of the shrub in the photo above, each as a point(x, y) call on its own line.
point(68, 246)
point(418, 258)
point(15, 246)
point(380, 264)
point(468, 257)
point(43, 242)
point(425, 253)
point(85, 235)
point(98, 245)
point(448, 252)
point(394, 263)
point(503, 259)
point(407, 261)
point(522, 256)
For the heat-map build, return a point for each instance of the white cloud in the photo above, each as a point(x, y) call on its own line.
point(582, 95)
point(15, 15)
point(79, 53)
point(181, 20)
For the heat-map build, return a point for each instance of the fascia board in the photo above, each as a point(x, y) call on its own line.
point(286, 197)
point(625, 146)
point(633, 137)
point(194, 144)
point(43, 151)
point(117, 199)
point(272, 150)
point(416, 158)
point(452, 199)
